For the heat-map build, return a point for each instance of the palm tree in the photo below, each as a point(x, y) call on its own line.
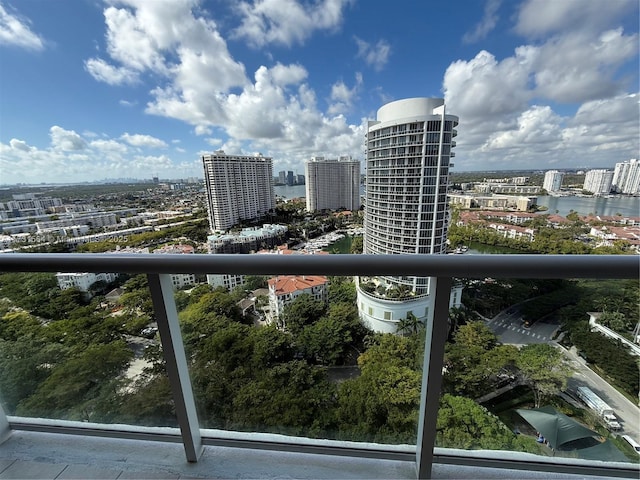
point(410, 325)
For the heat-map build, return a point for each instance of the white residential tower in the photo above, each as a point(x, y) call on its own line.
point(409, 148)
point(238, 188)
point(332, 183)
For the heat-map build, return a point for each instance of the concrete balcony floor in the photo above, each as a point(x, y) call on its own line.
point(59, 456)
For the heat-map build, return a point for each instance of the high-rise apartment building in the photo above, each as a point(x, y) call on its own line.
point(626, 177)
point(332, 183)
point(238, 188)
point(598, 181)
point(552, 181)
point(409, 148)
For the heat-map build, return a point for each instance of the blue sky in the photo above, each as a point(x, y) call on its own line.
point(95, 89)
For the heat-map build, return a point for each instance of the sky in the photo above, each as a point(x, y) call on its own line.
point(93, 90)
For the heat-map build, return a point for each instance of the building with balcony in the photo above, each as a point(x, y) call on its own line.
point(247, 240)
point(598, 181)
point(626, 177)
point(332, 184)
point(409, 148)
point(238, 188)
point(83, 280)
point(552, 181)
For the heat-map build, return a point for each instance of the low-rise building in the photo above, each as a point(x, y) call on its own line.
point(178, 280)
point(284, 289)
point(83, 281)
point(247, 240)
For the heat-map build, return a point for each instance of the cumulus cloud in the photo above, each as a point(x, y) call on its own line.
point(16, 144)
point(376, 56)
point(486, 25)
point(66, 140)
point(69, 157)
point(112, 75)
point(509, 107)
point(287, 22)
point(537, 18)
point(342, 97)
point(148, 141)
point(196, 80)
point(15, 30)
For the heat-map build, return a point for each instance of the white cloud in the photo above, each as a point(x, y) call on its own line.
point(537, 18)
point(536, 126)
point(486, 25)
point(66, 140)
point(110, 147)
point(578, 67)
point(485, 88)
point(103, 72)
point(127, 103)
point(69, 158)
point(508, 107)
point(147, 141)
point(19, 145)
point(15, 30)
point(376, 56)
point(287, 22)
point(342, 97)
point(197, 81)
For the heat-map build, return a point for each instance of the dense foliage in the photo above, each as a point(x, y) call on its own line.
point(322, 374)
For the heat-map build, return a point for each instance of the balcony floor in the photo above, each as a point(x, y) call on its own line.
point(58, 456)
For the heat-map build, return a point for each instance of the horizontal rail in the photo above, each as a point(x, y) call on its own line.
point(461, 266)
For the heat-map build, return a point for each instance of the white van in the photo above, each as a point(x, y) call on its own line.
point(635, 445)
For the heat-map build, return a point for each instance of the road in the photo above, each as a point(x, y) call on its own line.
point(628, 414)
point(507, 325)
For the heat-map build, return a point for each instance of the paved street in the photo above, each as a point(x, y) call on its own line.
point(628, 414)
point(507, 325)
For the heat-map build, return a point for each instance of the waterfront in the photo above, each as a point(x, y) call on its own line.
point(616, 205)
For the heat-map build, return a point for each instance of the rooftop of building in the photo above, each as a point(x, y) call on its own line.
point(286, 284)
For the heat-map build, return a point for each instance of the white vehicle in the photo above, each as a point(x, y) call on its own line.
point(602, 409)
point(635, 445)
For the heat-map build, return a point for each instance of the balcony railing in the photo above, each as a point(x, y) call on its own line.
point(442, 268)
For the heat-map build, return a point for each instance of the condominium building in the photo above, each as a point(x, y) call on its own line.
point(82, 280)
point(626, 177)
point(247, 240)
point(598, 181)
point(238, 188)
point(409, 147)
point(332, 183)
point(552, 181)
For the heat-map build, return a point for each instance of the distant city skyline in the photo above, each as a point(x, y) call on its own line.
point(139, 88)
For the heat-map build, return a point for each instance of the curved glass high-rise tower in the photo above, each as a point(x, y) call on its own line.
point(409, 148)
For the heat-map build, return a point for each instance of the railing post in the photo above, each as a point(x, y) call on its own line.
point(5, 430)
point(173, 350)
point(436, 337)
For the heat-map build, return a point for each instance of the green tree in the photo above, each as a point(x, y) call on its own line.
point(544, 369)
point(304, 310)
point(74, 389)
point(326, 340)
point(464, 424)
point(381, 405)
point(357, 244)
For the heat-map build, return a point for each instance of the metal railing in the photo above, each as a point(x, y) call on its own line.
point(442, 268)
